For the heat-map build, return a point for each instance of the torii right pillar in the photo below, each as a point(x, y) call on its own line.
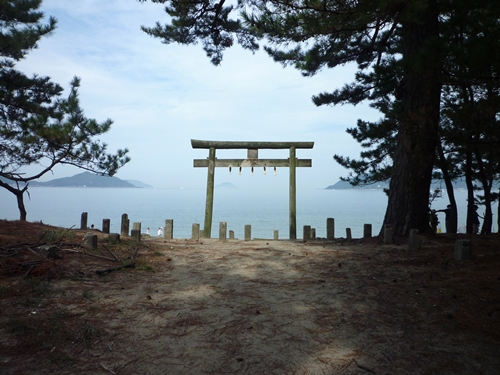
point(293, 194)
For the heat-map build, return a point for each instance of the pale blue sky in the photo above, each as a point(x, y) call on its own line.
point(161, 96)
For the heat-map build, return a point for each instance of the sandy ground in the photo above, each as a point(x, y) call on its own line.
point(255, 307)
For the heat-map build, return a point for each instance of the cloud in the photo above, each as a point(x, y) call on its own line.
point(161, 96)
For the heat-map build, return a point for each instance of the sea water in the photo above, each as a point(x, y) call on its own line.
point(265, 210)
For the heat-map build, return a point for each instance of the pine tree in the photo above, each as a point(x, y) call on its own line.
point(311, 35)
point(37, 125)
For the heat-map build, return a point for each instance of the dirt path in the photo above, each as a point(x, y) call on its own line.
point(264, 307)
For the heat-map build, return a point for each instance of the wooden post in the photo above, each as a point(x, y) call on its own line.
point(168, 232)
point(83, 222)
point(207, 228)
point(293, 195)
point(222, 231)
point(330, 228)
point(195, 231)
point(307, 233)
point(248, 232)
point(105, 225)
point(367, 230)
point(125, 225)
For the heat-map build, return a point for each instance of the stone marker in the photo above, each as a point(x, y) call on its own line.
point(367, 231)
point(231, 234)
point(222, 230)
point(169, 229)
point(307, 233)
point(276, 234)
point(83, 223)
point(136, 234)
point(248, 232)
point(313, 233)
point(90, 241)
point(348, 233)
point(136, 226)
point(330, 228)
point(388, 234)
point(415, 240)
point(195, 231)
point(463, 250)
point(105, 225)
point(125, 225)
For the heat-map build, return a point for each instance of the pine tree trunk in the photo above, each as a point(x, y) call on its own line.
point(418, 125)
point(19, 193)
point(453, 225)
point(471, 212)
point(20, 204)
point(498, 213)
point(486, 184)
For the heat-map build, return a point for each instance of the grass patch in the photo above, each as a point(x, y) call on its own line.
point(3, 290)
point(44, 331)
point(89, 335)
point(52, 236)
point(87, 294)
point(141, 265)
point(41, 289)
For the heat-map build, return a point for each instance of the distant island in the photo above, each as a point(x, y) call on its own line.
point(342, 185)
point(436, 184)
point(88, 179)
point(140, 184)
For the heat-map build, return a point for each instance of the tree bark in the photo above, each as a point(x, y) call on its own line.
point(418, 124)
point(19, 193)
point(20, 204)
point(453, 225)
point(471, 212)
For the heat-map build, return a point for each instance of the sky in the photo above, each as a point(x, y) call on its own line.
point(162, 96)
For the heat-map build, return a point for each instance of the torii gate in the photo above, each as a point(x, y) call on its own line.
point(252, 160)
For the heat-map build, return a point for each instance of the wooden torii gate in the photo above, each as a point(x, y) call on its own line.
point(252, 160)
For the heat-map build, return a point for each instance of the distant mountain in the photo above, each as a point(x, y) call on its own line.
point(342, 185)
point(226, 185)
point(140, 184)
point(436, 184)
point(85, 179)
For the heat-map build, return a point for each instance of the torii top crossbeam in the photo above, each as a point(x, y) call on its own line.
point(252, 160)
point(249, 145)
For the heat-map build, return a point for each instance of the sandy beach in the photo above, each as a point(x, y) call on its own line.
point(253, 307)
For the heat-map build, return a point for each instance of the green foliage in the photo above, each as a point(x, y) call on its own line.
point(50, 329)
point(206, 21)
point(87, 294)
point(52, 236)
point(406, 53)
point(38, 126)
point(89, 334)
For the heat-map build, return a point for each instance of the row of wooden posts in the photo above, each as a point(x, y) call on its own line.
point(309, 233)
point(462, 247)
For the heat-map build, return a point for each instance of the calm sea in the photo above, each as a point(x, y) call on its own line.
point(264, 210)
